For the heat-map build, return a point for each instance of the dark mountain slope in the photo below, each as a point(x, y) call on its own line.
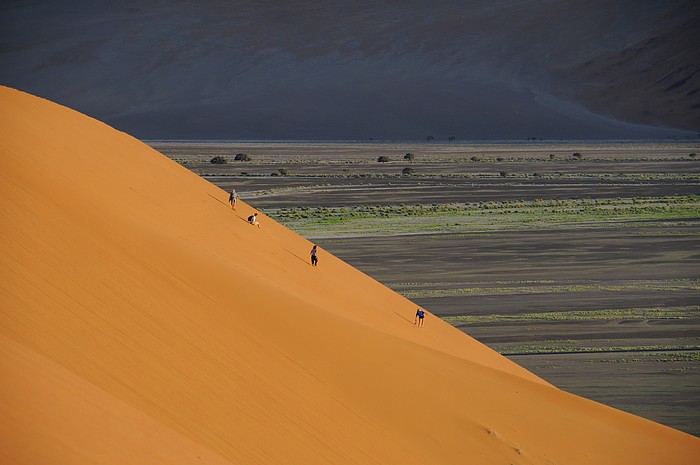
point(382, 69)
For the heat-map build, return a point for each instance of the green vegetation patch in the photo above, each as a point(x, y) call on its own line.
point(485, 216)
point(566, 349)
point(648, 313)
point(677, 285)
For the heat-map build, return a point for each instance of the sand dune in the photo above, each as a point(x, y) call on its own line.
point(144, 321)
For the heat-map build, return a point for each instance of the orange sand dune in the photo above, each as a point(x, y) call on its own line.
point(144, 321)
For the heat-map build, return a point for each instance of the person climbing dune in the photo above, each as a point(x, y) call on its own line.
point(233, 198)
point(314, 256)
point(420, 314)
point(253, 219)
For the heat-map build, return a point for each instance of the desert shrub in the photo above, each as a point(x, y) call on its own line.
point(218, 160)
point(283, 171)
point(503, 174)
point(691, 155)
point(409, 156)
point(407, 171)
point(577, 155)
point(474, 158)
point(242, 157)
point(383, 159)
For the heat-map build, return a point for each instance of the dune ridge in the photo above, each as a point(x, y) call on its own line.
point(144, 320)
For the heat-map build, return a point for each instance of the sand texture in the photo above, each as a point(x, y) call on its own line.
point(144, 321)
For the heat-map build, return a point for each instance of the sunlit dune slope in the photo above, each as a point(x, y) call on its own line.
point(144, 321)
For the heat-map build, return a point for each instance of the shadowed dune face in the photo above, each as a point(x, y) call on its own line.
point(359, 70)
point(145, 321)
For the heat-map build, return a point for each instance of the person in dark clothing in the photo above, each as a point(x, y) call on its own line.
point(420, 314)
point(314, 256)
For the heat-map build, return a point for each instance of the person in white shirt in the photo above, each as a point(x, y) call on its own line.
point(253, 219)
